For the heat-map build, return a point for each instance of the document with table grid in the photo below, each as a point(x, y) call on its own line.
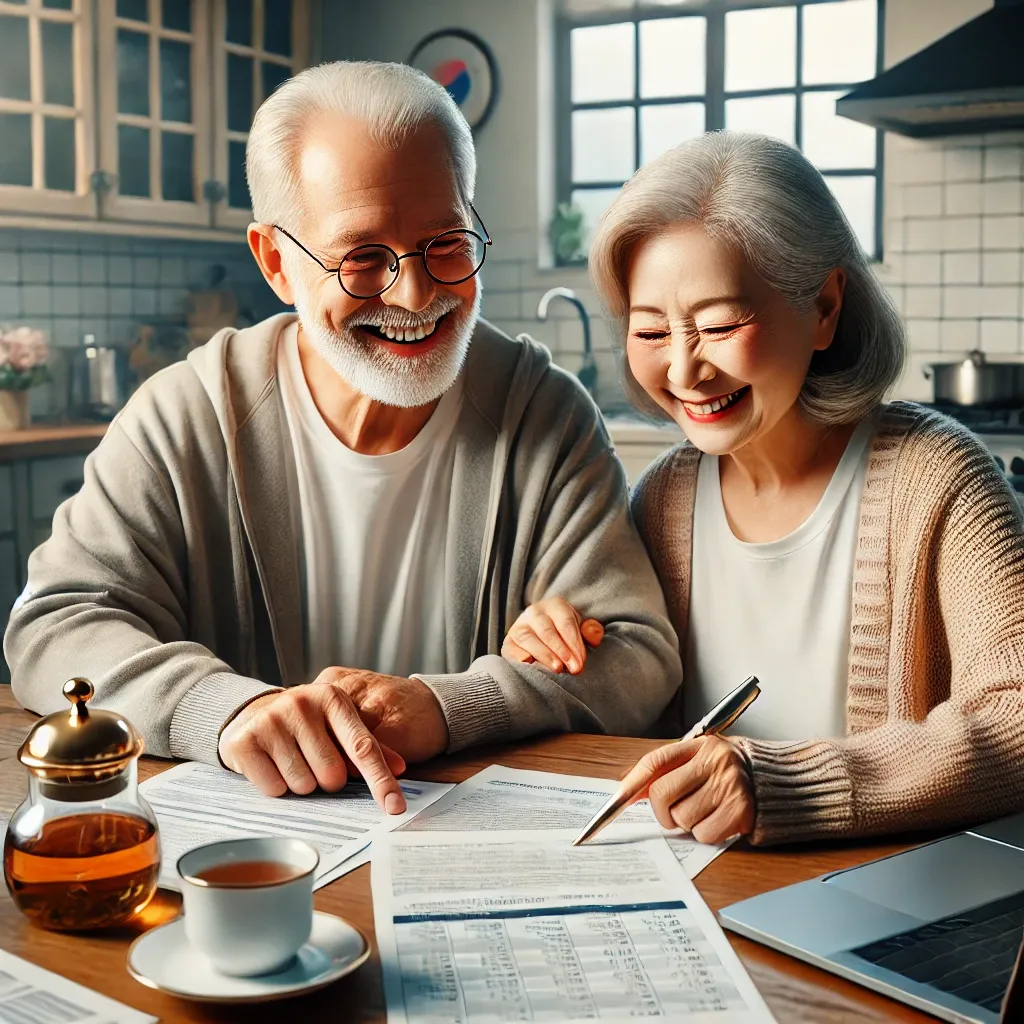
point(487, 927)
point(33, 995)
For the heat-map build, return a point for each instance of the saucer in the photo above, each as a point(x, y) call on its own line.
point(164, 959)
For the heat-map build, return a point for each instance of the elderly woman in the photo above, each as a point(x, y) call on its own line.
point(865, 560)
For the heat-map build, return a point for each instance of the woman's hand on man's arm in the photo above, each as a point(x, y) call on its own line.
point(554, 634)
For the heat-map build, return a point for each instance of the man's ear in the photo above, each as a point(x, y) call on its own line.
point(829, 304)
point(263, 243)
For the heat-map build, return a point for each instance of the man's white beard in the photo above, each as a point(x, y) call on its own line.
point(381, 375)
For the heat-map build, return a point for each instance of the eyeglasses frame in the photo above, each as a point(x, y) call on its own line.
point(397, 259)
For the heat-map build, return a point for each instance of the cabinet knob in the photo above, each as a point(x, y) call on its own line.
point(101, 181)
point(214, 191)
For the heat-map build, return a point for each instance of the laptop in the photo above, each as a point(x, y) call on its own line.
point(939, 927)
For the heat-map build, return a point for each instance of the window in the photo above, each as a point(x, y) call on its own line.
point(46, 106)
point(633, 88)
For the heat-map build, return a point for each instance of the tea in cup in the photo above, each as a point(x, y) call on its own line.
point(249, 902)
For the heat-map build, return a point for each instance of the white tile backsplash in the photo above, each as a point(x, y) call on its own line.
point(1001, 268)
point(924, 235)
point(961, 164)
point(964, 197)
point(1003, 162)
point(922, 268)
point(958, 335)
point(961, 301)
point(960, 233)
point(923, 302)
point(1000, 300)
point(1000, 336)
point(922, 200)
point(1002, 232)
point(1002, 197)
point(961, 268)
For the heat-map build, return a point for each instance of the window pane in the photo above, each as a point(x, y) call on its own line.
point(175, 81)
point(57, 5)
point(58, 64)
point(672, 53)
point(856, 196)
point(14, 76)
point(277, 27)
point(603, 63)
point(840, 42)
point(177, 14)
point(769, 115)
point(16, 152)
point(177, 178)
point(760, 49)
point(59, 153)
point(593, 202)
point(132, 72)
point(664, 125)
point(603, 144)
point(273, 76)
point(239, 92)
point(137, 10)
point(238, 191)
point(239, 29)
point(132, 160)
point(833, 141)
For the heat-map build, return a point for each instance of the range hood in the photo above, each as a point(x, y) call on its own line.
point(971, 80)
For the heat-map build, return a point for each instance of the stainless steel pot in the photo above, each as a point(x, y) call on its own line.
point(975, 381)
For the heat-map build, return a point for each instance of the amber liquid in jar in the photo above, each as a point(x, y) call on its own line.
point(84, 871)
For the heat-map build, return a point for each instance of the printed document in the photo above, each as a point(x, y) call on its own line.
point(198, 803)
point(480, 928)
point(511, 798)
point(32, 995)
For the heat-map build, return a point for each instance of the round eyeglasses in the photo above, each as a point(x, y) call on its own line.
point(370, 270)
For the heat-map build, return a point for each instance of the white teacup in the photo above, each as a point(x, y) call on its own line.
point(244, 923)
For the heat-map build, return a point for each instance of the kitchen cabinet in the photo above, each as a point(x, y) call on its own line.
point(136, 112)
point(32, 486)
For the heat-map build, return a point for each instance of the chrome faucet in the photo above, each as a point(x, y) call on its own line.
point(587, 372)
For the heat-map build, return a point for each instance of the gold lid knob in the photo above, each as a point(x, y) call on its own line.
point(87, 743)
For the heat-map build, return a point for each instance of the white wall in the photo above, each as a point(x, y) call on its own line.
point(954, 208)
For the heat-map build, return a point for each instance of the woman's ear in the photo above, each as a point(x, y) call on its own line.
point(829, 303)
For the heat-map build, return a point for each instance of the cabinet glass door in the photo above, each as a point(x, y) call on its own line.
point(155, 100)
point(46, 107)
point(258, 44)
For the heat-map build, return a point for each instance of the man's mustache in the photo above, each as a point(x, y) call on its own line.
point(403, 319)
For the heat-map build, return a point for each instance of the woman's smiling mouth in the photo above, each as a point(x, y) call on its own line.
point(717, 408)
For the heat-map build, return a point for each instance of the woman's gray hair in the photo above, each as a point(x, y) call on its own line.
point(766, 199)
point(392, 100)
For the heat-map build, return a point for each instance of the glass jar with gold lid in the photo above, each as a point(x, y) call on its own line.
point(82, 851)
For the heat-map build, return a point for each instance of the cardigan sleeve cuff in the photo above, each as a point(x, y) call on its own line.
point(802, 791)
point(474, 708)
point(206, 708)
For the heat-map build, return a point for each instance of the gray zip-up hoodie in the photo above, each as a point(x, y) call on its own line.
point(172, 580)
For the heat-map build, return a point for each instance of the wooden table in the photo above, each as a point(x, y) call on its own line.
point(795, 992)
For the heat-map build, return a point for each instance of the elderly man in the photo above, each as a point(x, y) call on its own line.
point(299, 550)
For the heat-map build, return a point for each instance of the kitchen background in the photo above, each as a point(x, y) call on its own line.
point(123, 203)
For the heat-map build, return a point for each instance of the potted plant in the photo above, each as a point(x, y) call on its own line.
point(24, 361)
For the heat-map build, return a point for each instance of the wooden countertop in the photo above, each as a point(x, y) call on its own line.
point(50, 439)
point(796, 992)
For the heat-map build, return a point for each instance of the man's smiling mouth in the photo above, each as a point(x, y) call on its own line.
point(404, 335)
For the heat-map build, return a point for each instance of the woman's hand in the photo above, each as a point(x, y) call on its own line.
point(553, 633)
point(702, 786)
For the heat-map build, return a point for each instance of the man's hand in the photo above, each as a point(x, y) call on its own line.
point(702, 786)
point(402, 713)
point(299, 738)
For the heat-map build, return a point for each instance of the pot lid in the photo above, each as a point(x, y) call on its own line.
point(83, 741)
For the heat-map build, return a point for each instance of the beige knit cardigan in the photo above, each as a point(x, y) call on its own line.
point(935, 691)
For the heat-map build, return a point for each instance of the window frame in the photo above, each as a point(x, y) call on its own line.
point(154, 207)
point(715, 94)
point(36, 198)
point(225, 216)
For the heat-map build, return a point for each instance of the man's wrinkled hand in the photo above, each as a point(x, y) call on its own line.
point(702, 786)
point(309, 736)
point(402, 713)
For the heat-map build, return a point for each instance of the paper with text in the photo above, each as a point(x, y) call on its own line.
point(512, 798)
point(198, 803)
point(480, 928)
point(33, 995)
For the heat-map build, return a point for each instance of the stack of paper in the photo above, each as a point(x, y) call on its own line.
point(510, 798)
point(198, 803)
point(481, 927)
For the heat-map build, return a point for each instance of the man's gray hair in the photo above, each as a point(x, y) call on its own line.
point(392, 100)
point(769, 202)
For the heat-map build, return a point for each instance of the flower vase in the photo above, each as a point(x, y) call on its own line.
point(14, 412)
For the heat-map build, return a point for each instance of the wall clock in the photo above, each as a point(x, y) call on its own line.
point(464, 65)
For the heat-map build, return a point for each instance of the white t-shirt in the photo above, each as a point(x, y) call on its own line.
point(778, 610)
point(373, 536)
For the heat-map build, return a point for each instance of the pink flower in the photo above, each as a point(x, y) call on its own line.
point(24, 348)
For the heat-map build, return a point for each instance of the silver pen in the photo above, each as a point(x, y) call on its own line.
point(720, 717)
